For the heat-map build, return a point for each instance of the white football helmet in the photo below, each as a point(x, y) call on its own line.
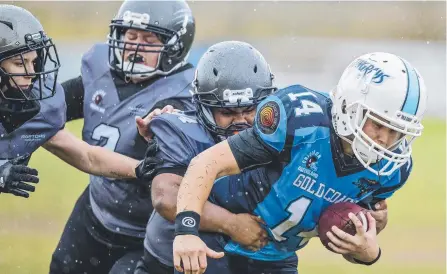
point(387, 89)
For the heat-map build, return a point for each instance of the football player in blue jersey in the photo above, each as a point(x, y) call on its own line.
point(232, 77)
point(322, 149)
point(142, 66)
point(32, 109)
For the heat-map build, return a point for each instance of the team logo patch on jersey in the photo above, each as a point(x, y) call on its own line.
point(365, 186)
point(97, 99)
point(311, 160)
point(268, 117)
point(310, 164)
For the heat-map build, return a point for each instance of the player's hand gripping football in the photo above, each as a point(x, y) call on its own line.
point(143, 123)
point(14, 174)
point(380, 214)
point(362, 246)
point(191, 252)
point(246, 230)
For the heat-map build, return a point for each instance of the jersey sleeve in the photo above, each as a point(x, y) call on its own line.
point(173, 146)
point(264, 142)
point(388, 189)
point(56, 111)
point(270, 125)
point(74, 97)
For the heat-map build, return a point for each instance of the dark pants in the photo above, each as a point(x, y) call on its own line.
point(128, 263)
point(150, 265)
point(233, 264)
point(86, 246)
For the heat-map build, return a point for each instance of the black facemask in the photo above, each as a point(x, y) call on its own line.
point(13, 114)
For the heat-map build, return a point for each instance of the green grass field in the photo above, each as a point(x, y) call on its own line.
point(413, 242)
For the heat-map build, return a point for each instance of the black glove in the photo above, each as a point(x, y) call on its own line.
point(14, 173)
point(146, 169)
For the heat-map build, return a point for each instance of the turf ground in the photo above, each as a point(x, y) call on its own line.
point(413, 242)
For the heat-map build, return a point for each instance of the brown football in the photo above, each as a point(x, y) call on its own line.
point(337, 214)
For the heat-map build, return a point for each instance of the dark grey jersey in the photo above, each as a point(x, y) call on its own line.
point(180, 138)
point(122, 206)
point(37, 131)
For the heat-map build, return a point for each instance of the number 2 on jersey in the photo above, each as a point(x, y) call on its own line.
point(308, 107)
point(112, 134)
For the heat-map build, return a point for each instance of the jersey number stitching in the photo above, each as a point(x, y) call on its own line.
point(109, 133)
point(297, 210)
point(307, 107)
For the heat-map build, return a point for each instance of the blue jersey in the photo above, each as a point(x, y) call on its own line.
point(295, 125)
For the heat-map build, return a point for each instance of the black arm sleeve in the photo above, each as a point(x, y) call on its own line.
point(249, 151)
point(74, 97)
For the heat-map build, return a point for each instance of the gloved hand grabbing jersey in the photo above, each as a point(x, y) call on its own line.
point(14, 174)
point(146, 169)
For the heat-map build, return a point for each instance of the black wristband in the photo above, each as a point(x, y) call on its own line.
point(187, 223)
point(369, 263)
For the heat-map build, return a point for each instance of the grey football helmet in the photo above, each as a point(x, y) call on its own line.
point(20, 33)
point(230, 74)
point(173, 24)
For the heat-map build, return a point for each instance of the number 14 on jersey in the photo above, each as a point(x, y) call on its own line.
point(307, 107)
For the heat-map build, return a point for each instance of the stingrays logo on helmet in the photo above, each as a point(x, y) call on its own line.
point(367, 68)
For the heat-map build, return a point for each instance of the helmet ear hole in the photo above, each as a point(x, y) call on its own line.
point(215, 71)
point(255, 69)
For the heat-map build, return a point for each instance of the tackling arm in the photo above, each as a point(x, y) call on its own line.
point(203, 170)
point(165, 188)
point(90, 159)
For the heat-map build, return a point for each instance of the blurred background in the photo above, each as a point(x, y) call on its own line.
point(309, 43)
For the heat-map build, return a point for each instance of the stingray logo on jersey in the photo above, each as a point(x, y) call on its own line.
point(311, 160)
point(367, 68)
point(365, 186)
point(97, 98)
point(268, 118)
